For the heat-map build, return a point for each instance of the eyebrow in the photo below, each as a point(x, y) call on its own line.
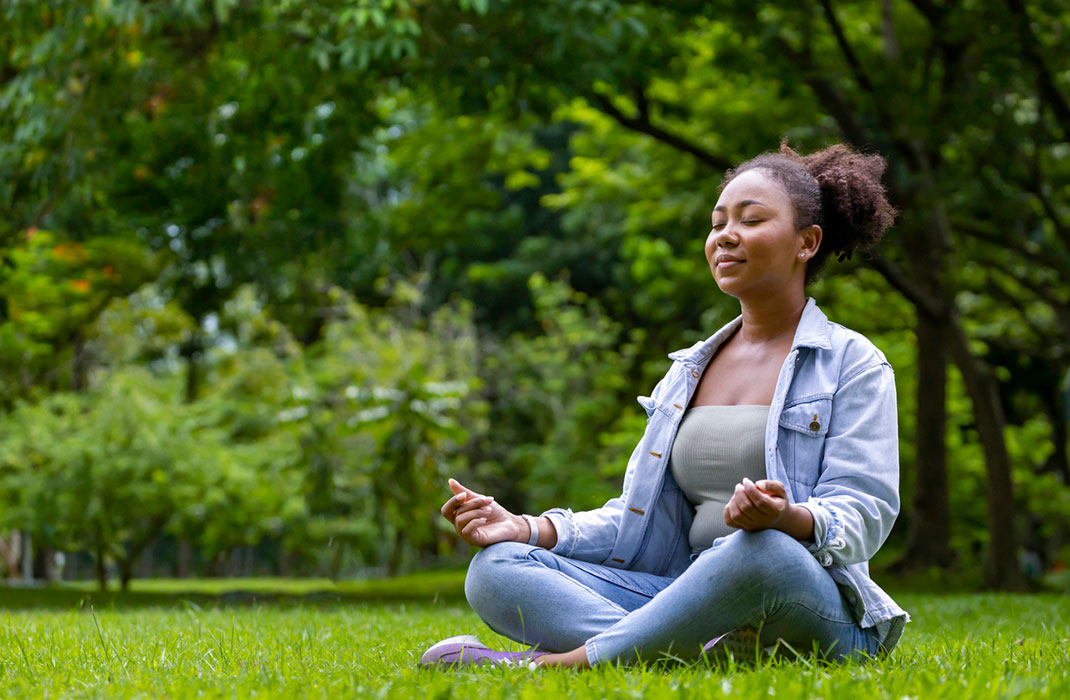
point(742, 204)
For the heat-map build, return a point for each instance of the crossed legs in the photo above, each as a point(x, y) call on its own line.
point(590, 614)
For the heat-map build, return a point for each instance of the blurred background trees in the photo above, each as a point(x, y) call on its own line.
point(272, 270)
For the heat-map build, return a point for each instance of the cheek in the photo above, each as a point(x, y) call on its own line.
point(710, 246)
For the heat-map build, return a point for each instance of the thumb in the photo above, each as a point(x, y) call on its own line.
point(772, 487)
point(456, 487)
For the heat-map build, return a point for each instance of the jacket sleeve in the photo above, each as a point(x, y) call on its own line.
point(856, 498)
point(588, 535)
point(591, 534)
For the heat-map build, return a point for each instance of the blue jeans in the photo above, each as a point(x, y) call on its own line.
point(766, 580)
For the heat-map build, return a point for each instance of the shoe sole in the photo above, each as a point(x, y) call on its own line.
point(433, 656)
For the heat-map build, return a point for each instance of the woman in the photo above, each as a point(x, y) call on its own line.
point(767, 477)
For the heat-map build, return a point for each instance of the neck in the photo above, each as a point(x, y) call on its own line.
point(770, 319)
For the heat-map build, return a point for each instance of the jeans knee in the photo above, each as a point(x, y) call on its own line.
point(488, 578)
point(757, 555)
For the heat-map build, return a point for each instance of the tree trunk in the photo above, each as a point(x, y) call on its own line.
point(27, 557)
point(283, 565)
point(184, 565)
point(11, 552)
point(101, 568)
point(191, 350)
point(44, 564)
point(1001, 568)
point(126, 572)
point(148, 561)
point(928, 540)
point(393, 562)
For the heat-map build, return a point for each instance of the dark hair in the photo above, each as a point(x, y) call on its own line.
point(836, 188)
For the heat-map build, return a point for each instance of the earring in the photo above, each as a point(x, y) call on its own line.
point(802, 255)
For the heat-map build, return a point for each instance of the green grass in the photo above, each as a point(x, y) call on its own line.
point(316, 639)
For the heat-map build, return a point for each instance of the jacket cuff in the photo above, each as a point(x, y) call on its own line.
point(828, 530)
point(561, 518)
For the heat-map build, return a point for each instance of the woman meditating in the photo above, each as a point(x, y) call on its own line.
point(766, 479)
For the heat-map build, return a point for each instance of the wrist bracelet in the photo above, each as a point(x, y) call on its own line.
point(533, 525)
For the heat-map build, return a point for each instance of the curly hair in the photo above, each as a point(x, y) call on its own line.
point(835, 188)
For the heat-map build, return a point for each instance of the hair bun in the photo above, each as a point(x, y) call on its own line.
point(854, 206)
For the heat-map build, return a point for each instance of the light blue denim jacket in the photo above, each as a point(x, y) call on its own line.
point(832, 439)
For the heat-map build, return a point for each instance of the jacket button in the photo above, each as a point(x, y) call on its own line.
point(694, 373)
point(815, 426)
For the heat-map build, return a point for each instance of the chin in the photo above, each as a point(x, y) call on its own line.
point(724, 290)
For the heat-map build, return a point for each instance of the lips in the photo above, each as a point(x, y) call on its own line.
point(727, 259)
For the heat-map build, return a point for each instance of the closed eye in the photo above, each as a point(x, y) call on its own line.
point(748, 222)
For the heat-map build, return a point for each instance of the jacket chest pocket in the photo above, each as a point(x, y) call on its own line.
point(803, 427)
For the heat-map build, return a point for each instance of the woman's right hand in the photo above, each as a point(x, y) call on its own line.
point(479, 520)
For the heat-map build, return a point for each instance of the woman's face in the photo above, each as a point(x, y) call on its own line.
point(753, 247)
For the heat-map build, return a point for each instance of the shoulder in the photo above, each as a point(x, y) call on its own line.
point(853, 352)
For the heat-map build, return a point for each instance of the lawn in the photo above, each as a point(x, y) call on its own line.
point(318, 639)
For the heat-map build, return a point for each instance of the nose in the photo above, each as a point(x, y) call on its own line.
point(725, 238)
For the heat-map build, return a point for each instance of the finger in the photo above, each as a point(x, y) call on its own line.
point(745, 498)
point(762, 502)
point(748, 504)
point(472, 527)
point(468, 516)
point(449, 507)
point(749, 514)
point(458, 487)
point(772, 488)
point(481, 503)
point(738, 518)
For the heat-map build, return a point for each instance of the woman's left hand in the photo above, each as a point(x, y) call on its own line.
point(756, 506)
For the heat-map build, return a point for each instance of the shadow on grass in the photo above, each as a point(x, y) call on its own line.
point(446, 587)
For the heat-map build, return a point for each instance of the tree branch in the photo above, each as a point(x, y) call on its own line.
point(907, 287)
point(930, 11)
point(891, 41)
point(1058, 263)
point(1049, 91)
point(834, 102)
point(1037, 172)
point(641, 124)
point(845, 46)
point(1060, 307)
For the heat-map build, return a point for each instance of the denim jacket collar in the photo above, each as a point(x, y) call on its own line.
point(812, 331)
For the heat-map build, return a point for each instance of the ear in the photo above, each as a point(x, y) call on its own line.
point(811, 241)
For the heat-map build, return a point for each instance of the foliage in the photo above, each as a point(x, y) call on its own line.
point(107, 471)
point(384, 414)
point(338, 250)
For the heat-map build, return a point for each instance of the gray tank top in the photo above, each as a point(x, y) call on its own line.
point(715, 447)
